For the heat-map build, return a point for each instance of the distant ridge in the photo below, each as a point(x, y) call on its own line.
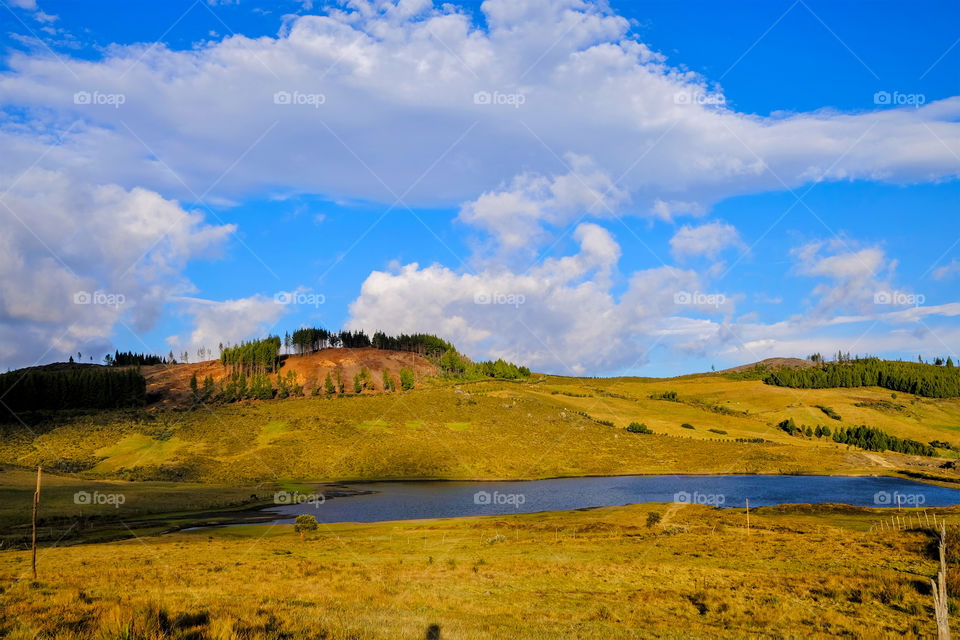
point(772, 363)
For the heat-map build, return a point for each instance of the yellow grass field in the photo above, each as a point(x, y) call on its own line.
point(594, 574)
point(601, 573)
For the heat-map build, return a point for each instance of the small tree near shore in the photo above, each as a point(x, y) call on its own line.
point(304, 523)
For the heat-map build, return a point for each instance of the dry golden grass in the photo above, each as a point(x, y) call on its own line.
point(590, 574)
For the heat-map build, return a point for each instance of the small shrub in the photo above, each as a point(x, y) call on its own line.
point(653, 518)
point(670, 396)
point(720, 431)
point(636, 427)
point(304, 523)
point(830, 412)
point(687, 426)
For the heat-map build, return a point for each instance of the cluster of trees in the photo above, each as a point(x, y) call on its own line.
point(255, 356)
point(421, 343)
point(288, 385)
point(919, 378)
point(873, 439)
point(669, 396)
point(454, 365)
point(208, 391)
point(637, 427)
point(128, 358)
point(311, 339)
point(81, 388)
point(238, 386)
point(864, 437)
point(362, 381)
point(821, 431)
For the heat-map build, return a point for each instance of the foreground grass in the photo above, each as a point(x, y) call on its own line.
point(603, 573)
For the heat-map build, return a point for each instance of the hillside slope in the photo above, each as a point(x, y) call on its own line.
point(171, 383)
point(549, 426)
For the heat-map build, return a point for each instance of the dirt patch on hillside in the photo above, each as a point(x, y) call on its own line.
point(170, 383)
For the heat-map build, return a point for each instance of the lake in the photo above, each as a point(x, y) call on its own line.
point(414, 500)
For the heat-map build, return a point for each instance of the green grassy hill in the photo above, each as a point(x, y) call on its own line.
point(548, 426)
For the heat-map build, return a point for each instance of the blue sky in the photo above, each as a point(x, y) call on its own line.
point(665, 188)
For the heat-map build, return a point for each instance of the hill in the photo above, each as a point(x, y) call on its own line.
point(485, 429)
point(770, 364)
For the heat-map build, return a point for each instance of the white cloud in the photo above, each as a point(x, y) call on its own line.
point(854, 276)
point(229, 321)
point(398, 113)
point(516, 215)
point(707, 240)
point(77, 259)
point(560, 316)
point(947, 271)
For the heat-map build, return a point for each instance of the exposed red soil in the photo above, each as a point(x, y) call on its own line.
point(171, 382)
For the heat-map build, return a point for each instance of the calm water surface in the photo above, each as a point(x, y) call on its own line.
point(413, 500)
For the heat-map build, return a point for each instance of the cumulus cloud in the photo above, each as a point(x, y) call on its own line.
point(852, 276)
point(707, 240)
point(517, 214)
point(560, 316)
point(415, 100)
point(77, 259)
point(228, 321)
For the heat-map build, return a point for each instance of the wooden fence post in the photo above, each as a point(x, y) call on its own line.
point(36, 506)
point(940, 591)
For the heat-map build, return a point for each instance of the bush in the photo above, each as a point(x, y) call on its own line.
point(789, 426)
point(304, 523)
point(636, 427)
point(687, 426)
point(670, 396)
point(653, 518)
point(830, 412)
point(406, 379)
point(720, 431)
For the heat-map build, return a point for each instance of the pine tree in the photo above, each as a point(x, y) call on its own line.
point(208, 387)
point(328, 387)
